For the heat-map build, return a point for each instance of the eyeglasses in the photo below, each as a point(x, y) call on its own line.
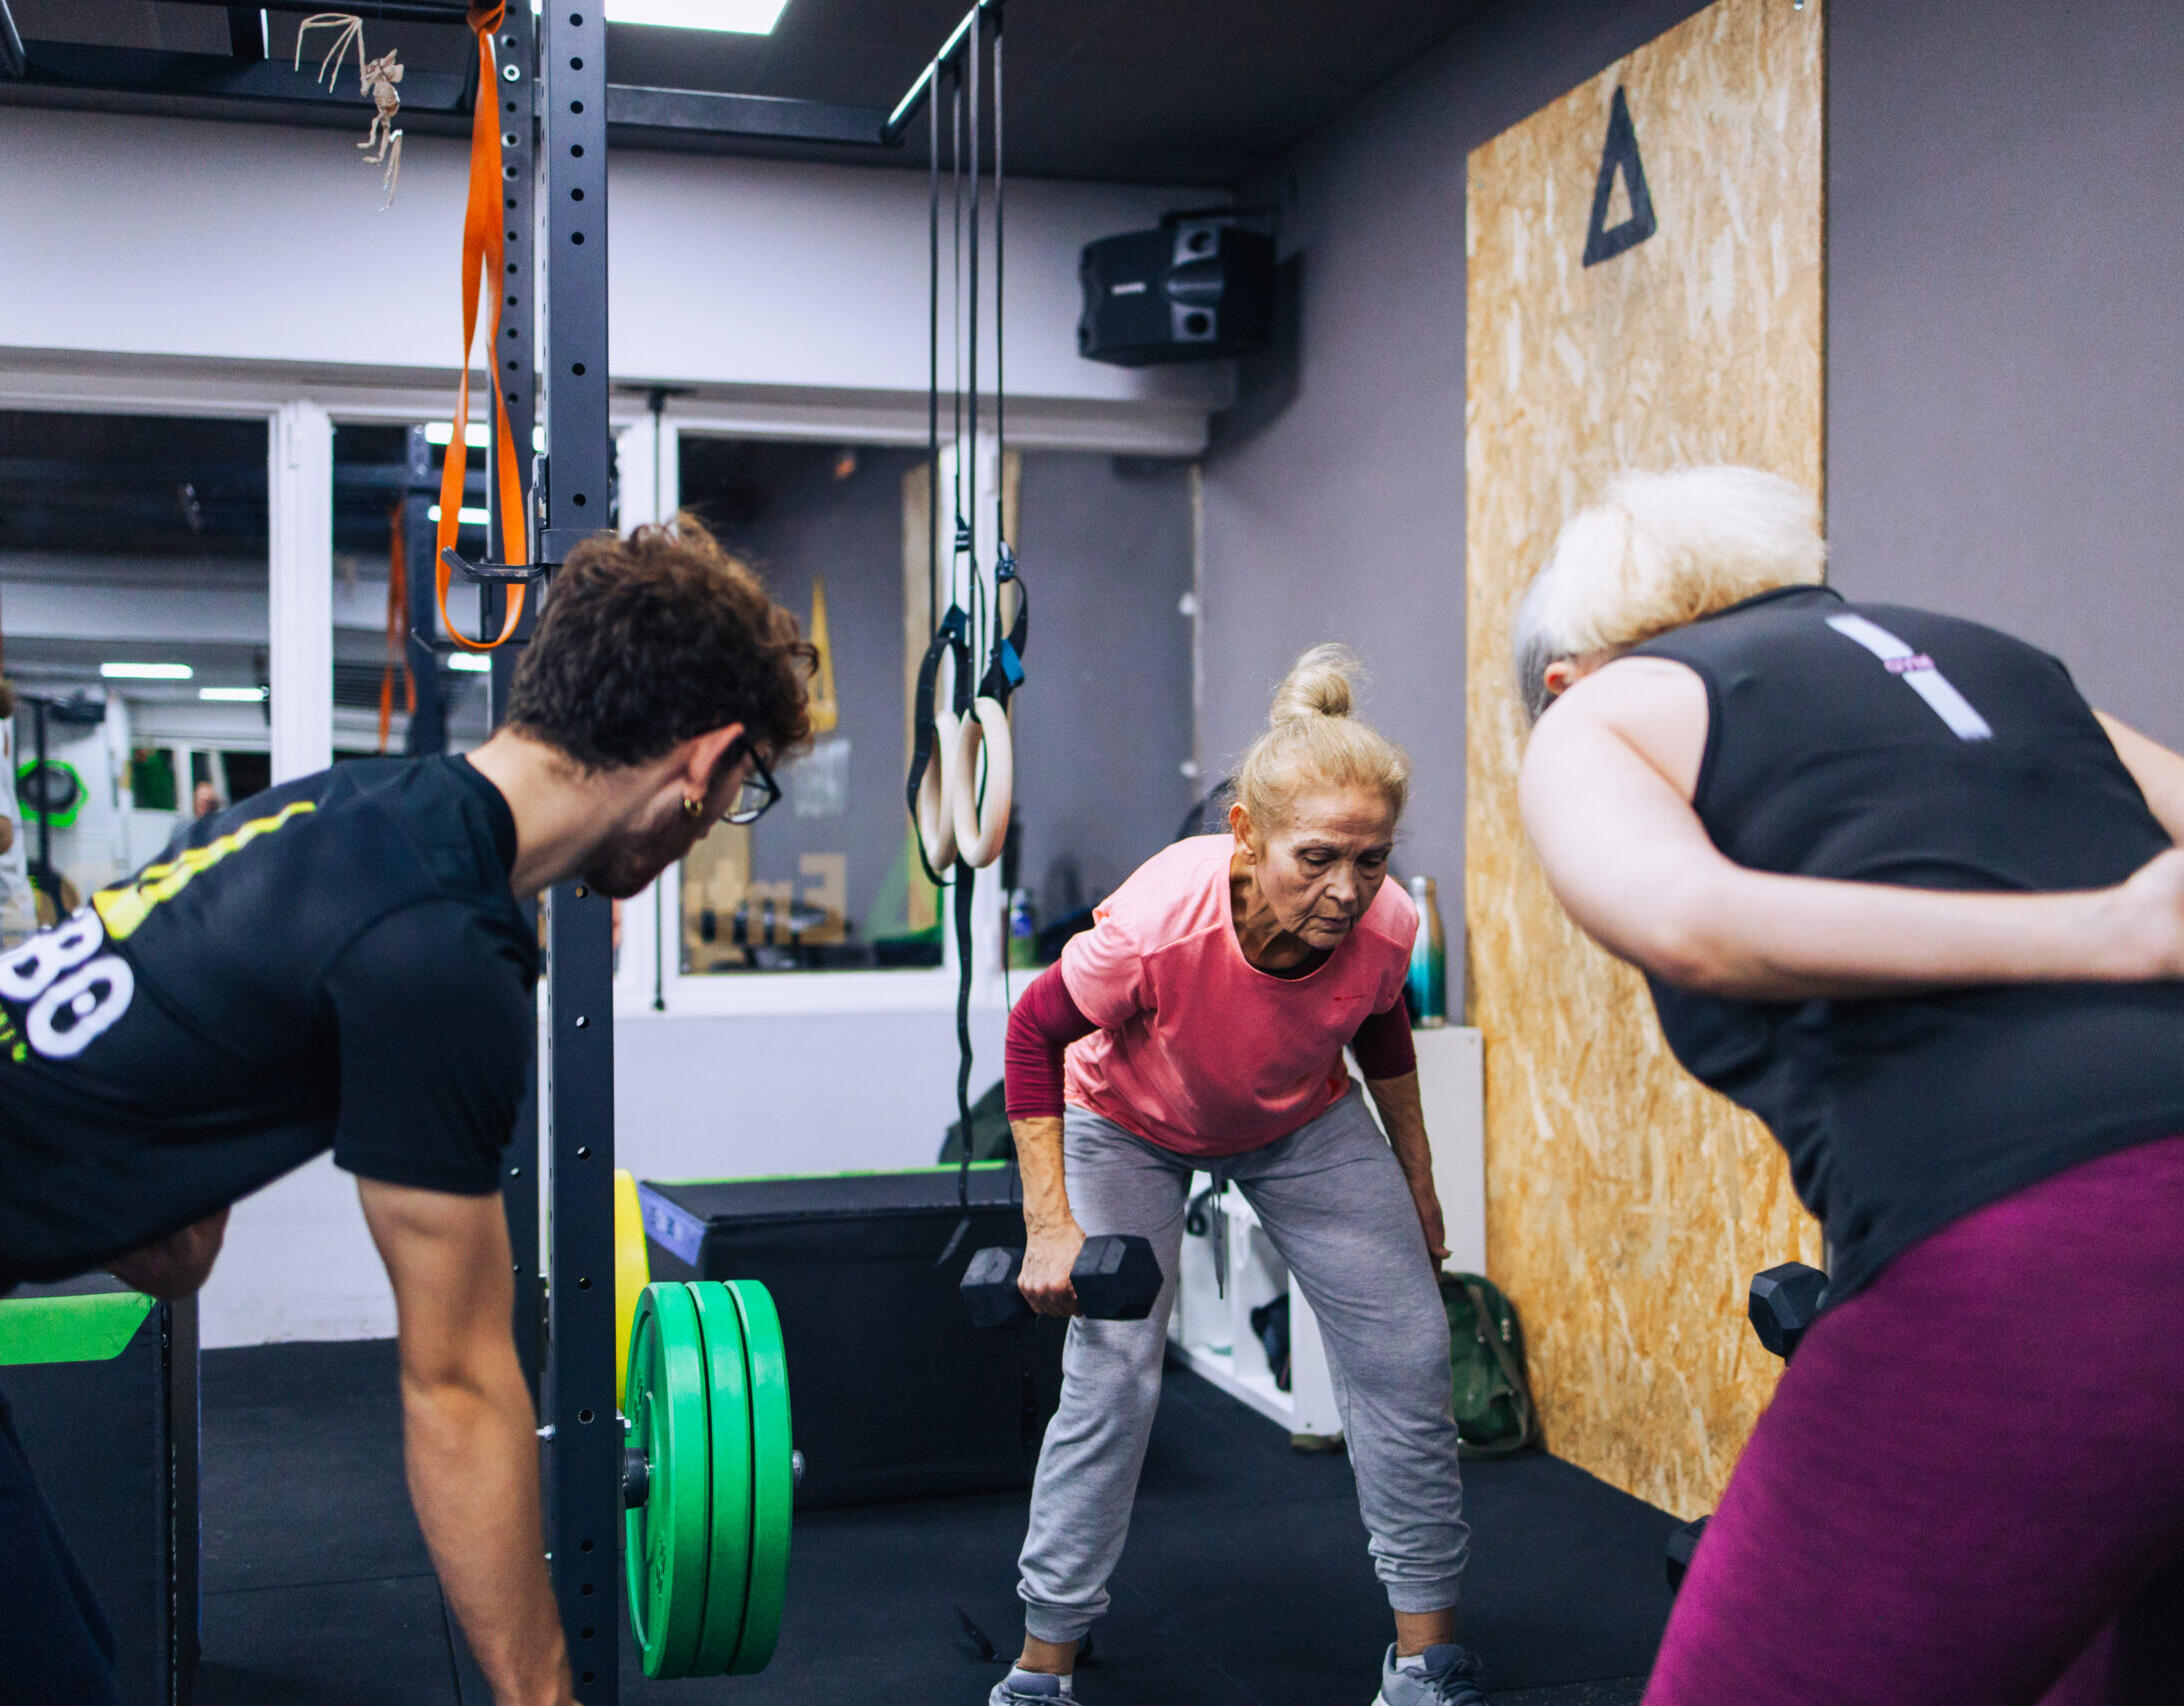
point(758, 793)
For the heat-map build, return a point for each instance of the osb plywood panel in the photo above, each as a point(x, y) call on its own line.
point(1627, 1207)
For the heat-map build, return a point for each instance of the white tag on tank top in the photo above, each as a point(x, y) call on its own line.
point(1919, 674)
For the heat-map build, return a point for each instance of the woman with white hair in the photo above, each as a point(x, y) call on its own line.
point(1902, 893)
point(1200, 1024)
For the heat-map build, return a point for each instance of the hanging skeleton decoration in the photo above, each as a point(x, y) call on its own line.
point(375, 77)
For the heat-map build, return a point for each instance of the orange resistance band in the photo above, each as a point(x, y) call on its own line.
point(484, 249)
point(397, 627)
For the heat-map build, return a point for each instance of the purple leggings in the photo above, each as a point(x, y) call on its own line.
point(1969, 1490)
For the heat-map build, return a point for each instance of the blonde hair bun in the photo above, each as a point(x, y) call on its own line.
point(1323, 683)
point(1314, 740)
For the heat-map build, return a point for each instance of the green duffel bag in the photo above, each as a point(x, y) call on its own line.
point(1494, 1413)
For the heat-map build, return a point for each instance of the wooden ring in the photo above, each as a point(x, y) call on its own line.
point(980, 829)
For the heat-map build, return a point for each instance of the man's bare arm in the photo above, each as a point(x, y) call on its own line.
point(178, 1264)
point(1627, 856)
point(469, 1433)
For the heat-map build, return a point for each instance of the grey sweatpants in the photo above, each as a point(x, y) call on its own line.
point(1333, 1201)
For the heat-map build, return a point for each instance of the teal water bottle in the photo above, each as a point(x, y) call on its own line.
point(1428, 986)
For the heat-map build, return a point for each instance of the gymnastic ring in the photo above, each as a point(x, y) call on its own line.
point(936, 787)
point(936, 822)
point(980, 829)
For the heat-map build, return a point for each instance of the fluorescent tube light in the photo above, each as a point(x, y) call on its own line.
point(476, 663)
point(744, 17)
point(477, 434)
point(146, 671)
point(233, 695)
point(464, 517)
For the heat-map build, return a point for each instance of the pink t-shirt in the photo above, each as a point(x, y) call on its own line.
point(1198, 1050)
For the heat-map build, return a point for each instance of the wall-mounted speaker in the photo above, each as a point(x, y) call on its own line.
point(1196, 289)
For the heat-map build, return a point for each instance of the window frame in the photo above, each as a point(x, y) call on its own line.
point(648, 459)
point(301, 407)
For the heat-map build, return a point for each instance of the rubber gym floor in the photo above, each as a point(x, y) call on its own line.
point(1245, 1582)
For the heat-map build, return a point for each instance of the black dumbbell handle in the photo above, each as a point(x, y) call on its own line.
point(992, 1270)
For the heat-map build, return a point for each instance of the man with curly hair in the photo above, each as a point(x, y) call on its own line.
point(343, 963)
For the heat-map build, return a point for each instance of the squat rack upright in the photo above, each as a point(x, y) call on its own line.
point(553, 97)
point(565, 1323)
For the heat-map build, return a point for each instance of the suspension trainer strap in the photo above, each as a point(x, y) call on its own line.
point(932, 364)
point(1005, 669)
point(966, 881)
point(484, 252)
point(966, 543)
point(1000, 306)
point(397, 622)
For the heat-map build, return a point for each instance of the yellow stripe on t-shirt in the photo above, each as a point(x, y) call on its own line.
point(127, 906)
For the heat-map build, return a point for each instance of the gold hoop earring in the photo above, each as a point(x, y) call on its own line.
point(692, 808)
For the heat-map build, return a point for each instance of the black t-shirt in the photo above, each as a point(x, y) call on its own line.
point(337, 962)
point(1879, 744)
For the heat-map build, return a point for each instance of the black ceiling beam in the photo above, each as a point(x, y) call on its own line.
point(764, 117)
point(371, 11)
point(80, 66)
point(12, 63)
point(121, 77)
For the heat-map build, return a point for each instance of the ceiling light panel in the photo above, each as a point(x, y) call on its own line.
point(743, 17)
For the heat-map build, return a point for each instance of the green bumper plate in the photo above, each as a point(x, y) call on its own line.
point(707, 1556)
point(773, 1490)
point(728, 1403)
point(668, 1537)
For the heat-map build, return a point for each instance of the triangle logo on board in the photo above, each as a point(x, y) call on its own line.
point(1603, 242)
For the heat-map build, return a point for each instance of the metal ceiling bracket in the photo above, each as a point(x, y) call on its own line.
point(764, 117)
point(12, 61)
point(906, 109)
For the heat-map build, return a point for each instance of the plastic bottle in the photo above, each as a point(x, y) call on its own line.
point(1428, 986)
point(1023, 948)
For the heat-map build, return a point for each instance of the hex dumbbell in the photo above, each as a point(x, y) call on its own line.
point(1782, 1304)
point(1116, 1277)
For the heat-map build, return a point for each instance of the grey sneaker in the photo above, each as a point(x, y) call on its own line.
point(1451, 1678)
point(1029, 1688)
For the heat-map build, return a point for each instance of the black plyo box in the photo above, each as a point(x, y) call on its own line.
point(113, 1445)
point(893, 1394)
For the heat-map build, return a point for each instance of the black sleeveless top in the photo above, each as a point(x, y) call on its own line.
point(1880, 744)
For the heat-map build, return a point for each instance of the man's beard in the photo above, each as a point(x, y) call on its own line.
point(627, 864)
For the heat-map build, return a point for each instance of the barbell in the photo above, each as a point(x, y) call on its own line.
point(708, 1470)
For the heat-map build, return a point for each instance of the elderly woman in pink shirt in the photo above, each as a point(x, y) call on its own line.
point(1201, 1024)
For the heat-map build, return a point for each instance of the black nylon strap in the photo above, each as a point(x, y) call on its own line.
point(1005, 668)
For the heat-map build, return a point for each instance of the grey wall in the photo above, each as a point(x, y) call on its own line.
point(1334, 492)
point(1104, 726)
point(2006, 326)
